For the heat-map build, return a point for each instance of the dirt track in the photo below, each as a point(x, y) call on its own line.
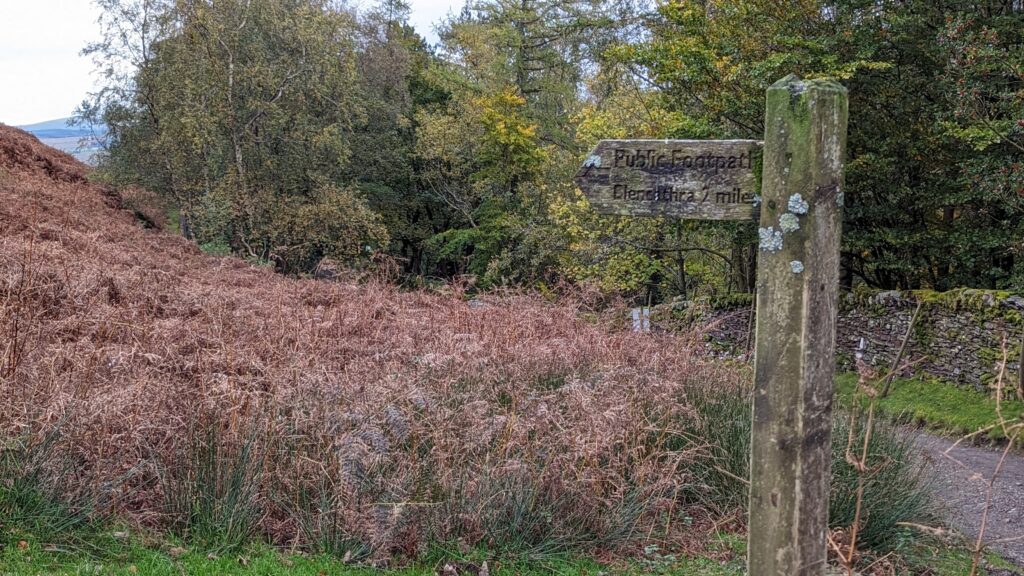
point(963, 479)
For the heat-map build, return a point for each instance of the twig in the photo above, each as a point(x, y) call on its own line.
point(733, 476)
point(899, 355)
point(979, 543)
point(926, 529)
point(1020, 370)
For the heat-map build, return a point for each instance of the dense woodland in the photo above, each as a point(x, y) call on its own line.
point(290, 131)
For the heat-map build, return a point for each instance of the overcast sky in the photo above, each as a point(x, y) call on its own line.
point(42, 77)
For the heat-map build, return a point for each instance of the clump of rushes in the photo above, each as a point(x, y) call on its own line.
point(719, 434)
point(211, 488)
point(42, 495)
point(897, 492)
point(529, 512)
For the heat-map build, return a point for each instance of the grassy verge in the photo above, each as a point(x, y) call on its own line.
point(131, 556)
point(136, 555)
point(954, 561)
point(941, 407)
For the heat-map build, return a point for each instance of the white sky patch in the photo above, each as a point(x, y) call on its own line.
point(43, 77)
point(427, 14)
point(41, 74)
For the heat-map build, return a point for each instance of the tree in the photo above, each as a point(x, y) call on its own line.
point(983, 48)
point(913, 217)
point(392, 64)
point(250, 105)
point(502, 148)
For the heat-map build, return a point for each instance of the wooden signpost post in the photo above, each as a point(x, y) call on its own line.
point(800, 208)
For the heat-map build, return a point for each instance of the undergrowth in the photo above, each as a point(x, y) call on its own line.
point(897, 491)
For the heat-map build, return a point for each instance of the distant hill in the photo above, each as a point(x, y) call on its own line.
point(62, 128)
point(81, 141)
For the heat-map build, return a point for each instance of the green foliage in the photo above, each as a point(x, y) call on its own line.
point(333, 223)
point(491, 191)
point(240, 113)
point(933, 204)
point(250, 118)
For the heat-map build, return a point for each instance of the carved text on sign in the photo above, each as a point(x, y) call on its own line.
point(705, 179)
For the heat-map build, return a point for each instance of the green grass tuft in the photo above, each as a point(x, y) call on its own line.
point(38, 498)
point(211, 490)
point(899, 490)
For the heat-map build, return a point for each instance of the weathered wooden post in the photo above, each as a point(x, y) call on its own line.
point(797, 277)
point(797, 284)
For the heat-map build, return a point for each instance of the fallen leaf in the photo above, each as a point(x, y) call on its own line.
point(177, 552)
point(22, 545)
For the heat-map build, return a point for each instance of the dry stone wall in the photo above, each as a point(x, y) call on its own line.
point(958, 337)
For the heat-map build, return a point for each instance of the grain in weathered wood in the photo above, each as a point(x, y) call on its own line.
point(797, 284)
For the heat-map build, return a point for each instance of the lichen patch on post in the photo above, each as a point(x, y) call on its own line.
point(796, 266)
point(592, 161)
point(840, 199)
point(770, 239)
point(797, 204)
point(789, 223)
point(757, 200)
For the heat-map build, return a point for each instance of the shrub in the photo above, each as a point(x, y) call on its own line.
point(333, 223)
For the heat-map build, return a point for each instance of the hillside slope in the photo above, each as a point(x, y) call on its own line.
point(132, 339)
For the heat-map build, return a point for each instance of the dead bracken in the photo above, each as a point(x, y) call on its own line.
point(132, 337)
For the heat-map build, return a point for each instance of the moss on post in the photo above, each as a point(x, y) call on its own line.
point(798, 276)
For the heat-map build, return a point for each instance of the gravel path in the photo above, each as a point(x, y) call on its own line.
point(963, 487)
